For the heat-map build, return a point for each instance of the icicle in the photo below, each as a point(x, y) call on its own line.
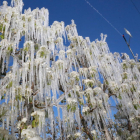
point(40, 121)
point(3, 123)
point(78, 118)
point(7, 122)
point(3, 64)
point(59, 120)
point(51, 120)
point(40, 79)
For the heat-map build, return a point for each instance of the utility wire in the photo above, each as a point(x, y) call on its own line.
point(112, 27)
point(135, 7)
point(102, 16)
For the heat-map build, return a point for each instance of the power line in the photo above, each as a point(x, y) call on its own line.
point(102, 16)
point(135, 7)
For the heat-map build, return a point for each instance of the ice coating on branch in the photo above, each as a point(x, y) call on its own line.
point(29, 134)
point(78, 79)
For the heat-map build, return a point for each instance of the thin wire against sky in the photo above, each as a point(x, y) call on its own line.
point(102, 16)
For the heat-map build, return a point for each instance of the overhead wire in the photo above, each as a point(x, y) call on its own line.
point(135, 6)
point(103, 17)
point(111, 26)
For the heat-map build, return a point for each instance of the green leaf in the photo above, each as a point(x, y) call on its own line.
point(69, 95)
point(30, 100)
point(18, 97)
point(106, 82)
point(68, 107)
point(33, 123)
point(10, 84)
point(2, 36)
point(63, 101)
point(125, 66)
point(134, 88)
point(90, 52)
point(29, 66)
point(46, 114)
point(92, 75)
point(119, 96)
point(26, 49)
point(9, 48)
point(91, 84)
point(25, 126)
point(77, 78)
point(2, 97)
point(42, 54)
point(135, 77)
point(36, 47)
point(131, 89)
point(135, 106)
point(119, 132)
point(1, 26)
point(73, 108)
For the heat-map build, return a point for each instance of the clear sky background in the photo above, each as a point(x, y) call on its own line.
point(121, 13)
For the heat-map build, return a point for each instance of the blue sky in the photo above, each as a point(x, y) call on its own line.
point(121, 13)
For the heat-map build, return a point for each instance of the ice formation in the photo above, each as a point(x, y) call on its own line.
point(47, 74)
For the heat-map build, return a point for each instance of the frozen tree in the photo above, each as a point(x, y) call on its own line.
point(58, 92)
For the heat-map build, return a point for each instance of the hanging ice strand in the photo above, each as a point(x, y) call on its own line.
point(63, 92)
